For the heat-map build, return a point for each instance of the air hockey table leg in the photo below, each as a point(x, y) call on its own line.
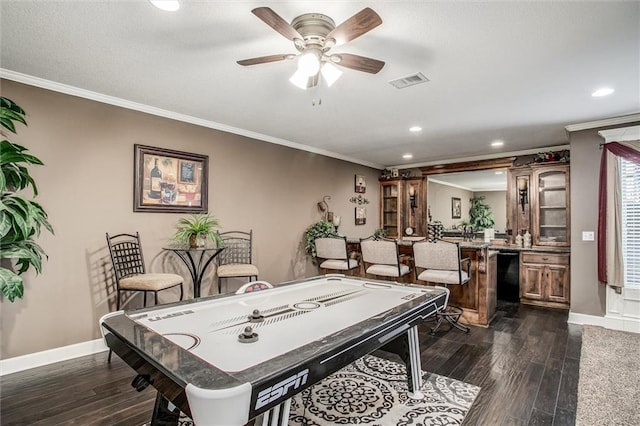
point(277, 416)
point(164, 412)
point(414, 373)
point(407, 347)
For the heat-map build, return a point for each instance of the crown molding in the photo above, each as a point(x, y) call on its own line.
point(613, 121)
point(123, 103)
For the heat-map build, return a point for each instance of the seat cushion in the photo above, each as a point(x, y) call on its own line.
point(339, 264)
point(443, 276)
point(150, 282)
point(237, 270)
point(388, 270)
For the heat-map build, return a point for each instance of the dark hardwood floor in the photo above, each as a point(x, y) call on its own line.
point(526, 363)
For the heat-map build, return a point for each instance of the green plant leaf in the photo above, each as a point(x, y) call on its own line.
point(197, 224)
point(11, 284)
point(21, 219)
point(320, 229)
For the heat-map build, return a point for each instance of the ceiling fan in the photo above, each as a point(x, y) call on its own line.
point(313, 35)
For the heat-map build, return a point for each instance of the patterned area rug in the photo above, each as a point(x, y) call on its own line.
point(373, 391)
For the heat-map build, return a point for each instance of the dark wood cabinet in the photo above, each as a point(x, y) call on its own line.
point(551, 206)
point(402, 206)
point(544, 279)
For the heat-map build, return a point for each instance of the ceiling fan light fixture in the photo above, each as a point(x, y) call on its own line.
point(299, 79)
point(167, 5)
point(309, 62)
point(330, 73)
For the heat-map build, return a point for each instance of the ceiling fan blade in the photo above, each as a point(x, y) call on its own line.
point(360, 23)
point(276, 22)
point(356, 62)
point(264, 59)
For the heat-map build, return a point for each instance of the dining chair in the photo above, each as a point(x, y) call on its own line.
point(130, 272)
point(235, 261)
point(332, 255)
point(381, 258)
point(440, 262)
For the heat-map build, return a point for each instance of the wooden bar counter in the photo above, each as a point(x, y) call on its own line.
point(478, 297)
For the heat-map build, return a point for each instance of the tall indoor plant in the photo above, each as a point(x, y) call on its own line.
point(480, 216)
point(21, 218)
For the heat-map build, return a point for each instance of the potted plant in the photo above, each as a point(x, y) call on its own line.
point(21, 219)
point(380, 233)
point(480, 216)
point(197, 229)
point(320, 229)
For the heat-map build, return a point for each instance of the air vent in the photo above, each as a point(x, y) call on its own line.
point(410, 80)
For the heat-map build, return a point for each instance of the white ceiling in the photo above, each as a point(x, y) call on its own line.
point(517, 71)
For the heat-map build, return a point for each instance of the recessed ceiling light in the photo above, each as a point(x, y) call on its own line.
point(168, 5)
point(497, 143)
point(415, 129)
point(407, 156)
point(499, 172)
point(605, 91)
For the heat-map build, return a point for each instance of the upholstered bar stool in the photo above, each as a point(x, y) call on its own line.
point(381, 258)
point(440, 262)
point(332, 256)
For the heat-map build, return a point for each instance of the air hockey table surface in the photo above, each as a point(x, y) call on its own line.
point(200, 355)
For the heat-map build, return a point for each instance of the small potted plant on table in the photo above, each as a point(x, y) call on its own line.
point(196, 230)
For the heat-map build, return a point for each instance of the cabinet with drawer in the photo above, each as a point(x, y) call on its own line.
point(544, 279)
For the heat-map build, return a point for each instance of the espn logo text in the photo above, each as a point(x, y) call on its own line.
point(281, 389)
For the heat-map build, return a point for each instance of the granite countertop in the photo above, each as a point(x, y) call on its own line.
point(407, 241)
point(544, 249)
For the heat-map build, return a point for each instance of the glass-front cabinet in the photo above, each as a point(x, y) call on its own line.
point(551, 213)
point(391, 207)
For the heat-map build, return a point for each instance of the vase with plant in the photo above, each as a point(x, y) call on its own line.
point(480, 216)
point(322, 229)
point(21, 219)
point(197, 230)
point(380, 233)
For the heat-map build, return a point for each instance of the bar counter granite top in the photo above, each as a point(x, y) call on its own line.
point(478, 244)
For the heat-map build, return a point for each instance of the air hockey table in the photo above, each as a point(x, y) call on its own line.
point(224, 360)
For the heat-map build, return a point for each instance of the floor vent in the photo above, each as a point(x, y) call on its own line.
point(410, 80)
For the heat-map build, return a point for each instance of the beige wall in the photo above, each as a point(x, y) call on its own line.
point(86, 188)
point(439, 199)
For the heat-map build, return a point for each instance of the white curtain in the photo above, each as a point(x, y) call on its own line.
point(614, 254)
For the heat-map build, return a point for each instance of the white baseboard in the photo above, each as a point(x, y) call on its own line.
point(612, 322)
point(38, 359)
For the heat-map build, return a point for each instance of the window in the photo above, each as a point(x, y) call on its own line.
point(630, 191)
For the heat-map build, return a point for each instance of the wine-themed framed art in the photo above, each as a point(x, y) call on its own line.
point(168, 181)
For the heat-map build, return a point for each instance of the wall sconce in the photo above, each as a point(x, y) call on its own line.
point(413, 199)
point(524, 193)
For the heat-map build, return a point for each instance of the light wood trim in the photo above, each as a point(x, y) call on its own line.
point(545, 258)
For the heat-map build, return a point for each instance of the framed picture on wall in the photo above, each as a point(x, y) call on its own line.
point(456, 208)
point(361, 215)
point(168, 181)
point(360, 184)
